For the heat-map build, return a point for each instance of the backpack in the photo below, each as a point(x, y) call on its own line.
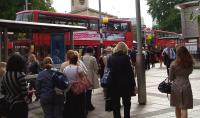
point(60, 81)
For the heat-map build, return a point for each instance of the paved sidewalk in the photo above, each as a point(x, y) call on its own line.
point(157, 103)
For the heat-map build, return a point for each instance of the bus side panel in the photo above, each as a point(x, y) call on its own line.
point(166, 42)
point(35, 38)
point(129, 39)
point(67, 38)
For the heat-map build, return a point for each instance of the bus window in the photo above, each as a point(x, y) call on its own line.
point(124, 27)
point(25, 17)
point(117, 27)
point(69, 22)
point(93, 24)
point(82, 22)
point(19, 17)
point(60, 20)
point(110, 26)
point(104, 27)
point(45, 19)
point(28, 17)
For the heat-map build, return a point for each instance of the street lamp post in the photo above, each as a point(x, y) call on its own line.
point(26, 4)
point(100, 27)
point(140, 60)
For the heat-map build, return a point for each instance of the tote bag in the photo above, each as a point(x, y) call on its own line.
point(81, 84)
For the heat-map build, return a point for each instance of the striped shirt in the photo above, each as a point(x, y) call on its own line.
point(14, 87)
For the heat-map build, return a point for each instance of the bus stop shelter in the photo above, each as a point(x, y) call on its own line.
point(33, 27)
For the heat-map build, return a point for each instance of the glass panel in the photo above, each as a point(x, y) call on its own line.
point(19, 17)
point(93, 24)
point(82, 22)
point(60, 20)
point(28, 17)
point(25, 17)
point(125, 27)
point(45, 19)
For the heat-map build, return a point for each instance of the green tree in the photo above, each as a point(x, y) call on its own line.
point(165, 13)
point(9, 8)
point(42, 5)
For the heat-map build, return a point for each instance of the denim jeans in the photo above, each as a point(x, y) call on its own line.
point(53, 107)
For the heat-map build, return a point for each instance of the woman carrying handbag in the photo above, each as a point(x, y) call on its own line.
point(181, 93)
point(75, 105)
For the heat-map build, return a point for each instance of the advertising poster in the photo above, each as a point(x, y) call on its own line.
point(57, 48)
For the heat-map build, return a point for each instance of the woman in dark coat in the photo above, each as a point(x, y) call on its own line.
point(181, 92)
point(123, 83)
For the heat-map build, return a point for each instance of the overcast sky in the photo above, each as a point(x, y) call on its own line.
point(120, 8)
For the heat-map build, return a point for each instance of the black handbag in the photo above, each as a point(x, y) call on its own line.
point(165, 86)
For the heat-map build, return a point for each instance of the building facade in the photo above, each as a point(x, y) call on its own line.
point(190, 26)
point(81, 7)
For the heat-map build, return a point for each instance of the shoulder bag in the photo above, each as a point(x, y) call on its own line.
point(165, 86)
point(81, 84)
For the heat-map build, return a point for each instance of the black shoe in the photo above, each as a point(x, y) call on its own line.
point(91, 108)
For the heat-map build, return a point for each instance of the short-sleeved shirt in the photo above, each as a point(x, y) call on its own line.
point(71, 71)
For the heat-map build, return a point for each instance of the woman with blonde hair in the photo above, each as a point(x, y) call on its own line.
point(121, 47)
point(122, 82)
point(67, 56)
point(181, 92)
point(80, 62)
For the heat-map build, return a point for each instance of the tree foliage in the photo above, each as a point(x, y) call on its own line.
point(165, 14)
point(9, 8)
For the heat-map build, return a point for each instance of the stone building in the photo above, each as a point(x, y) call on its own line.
point(190, 27)
point(81, 7)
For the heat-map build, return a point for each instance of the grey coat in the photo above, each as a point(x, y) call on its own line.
point(181, 92)
point(92, 67)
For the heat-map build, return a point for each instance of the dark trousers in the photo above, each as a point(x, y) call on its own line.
point(53, 106)
point(116, 106)
point(168, 65)
point(89, 99)
point(19, 110)
point(75, 106)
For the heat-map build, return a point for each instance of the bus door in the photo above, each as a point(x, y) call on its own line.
point(57, 48)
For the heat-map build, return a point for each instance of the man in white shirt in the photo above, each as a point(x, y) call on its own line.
point(168, 55)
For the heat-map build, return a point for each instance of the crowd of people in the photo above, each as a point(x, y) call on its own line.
point(66, 104)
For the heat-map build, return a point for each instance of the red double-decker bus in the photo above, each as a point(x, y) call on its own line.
point(112, 32)
point(165, 38)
